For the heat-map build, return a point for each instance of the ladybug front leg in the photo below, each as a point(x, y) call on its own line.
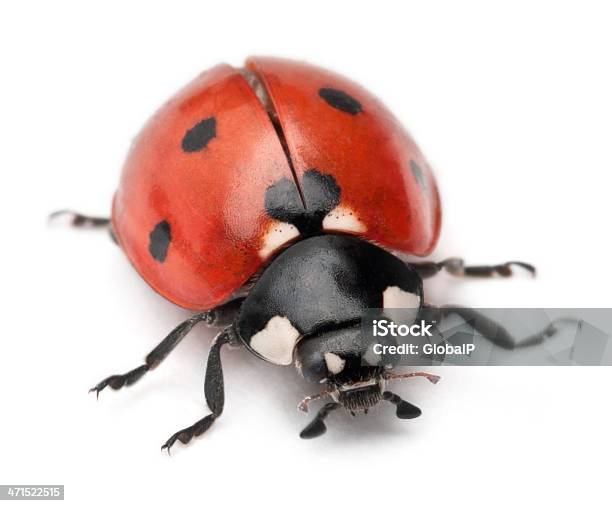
point(213, 391)
point(403, 409)
point(317, 426)
point(457, 267)
point(219, 316)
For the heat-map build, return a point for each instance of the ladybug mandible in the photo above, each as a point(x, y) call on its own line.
point(268, 199)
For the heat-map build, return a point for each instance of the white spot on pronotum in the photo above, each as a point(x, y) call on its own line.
point(278, 233)
point(396, 298)
point(371, 358)
point(335, 364)
point(276, 341)
point(343, 219)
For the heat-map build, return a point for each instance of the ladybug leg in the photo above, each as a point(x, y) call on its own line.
point(222, 315)
point(79, 220)
point(456, 267)
point(493, 331)
point(404, 409)
point(317, 427)
point(213, 391)
point(154, 358)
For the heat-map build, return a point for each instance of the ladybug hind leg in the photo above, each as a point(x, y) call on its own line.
point(457, 267)
point(78, 220)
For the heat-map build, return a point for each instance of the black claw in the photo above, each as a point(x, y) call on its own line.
point(118, 381)
point(94, 389)
point(168, 444)
point(100, 386)
point(528, 267)
point(111, 381)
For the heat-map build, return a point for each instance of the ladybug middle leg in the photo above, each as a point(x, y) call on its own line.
point(457, 267)
point(219, 316)
point(213, 391)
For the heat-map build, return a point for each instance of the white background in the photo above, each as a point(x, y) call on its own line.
point(511, 103)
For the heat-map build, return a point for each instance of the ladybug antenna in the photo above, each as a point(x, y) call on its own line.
point(303, 406)
point(317, 427)
point(431, 377)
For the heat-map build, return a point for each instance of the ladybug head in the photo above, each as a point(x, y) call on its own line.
point(350, 383)
point(334, 358)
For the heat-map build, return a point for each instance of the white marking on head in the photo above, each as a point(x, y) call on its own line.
point(335, 364)
point(278, 233)
point(396, 298)
point(343, 219)
point(276, 341)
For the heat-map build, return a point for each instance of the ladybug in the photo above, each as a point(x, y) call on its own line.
point(273, 200)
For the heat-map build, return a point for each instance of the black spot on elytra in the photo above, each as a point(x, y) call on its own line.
point(159, 241)
point(321, 195)
point(198, 136)
point(417, 172)
point(340, 100)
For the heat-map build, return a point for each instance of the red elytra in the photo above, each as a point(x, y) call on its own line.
point(198, 172)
